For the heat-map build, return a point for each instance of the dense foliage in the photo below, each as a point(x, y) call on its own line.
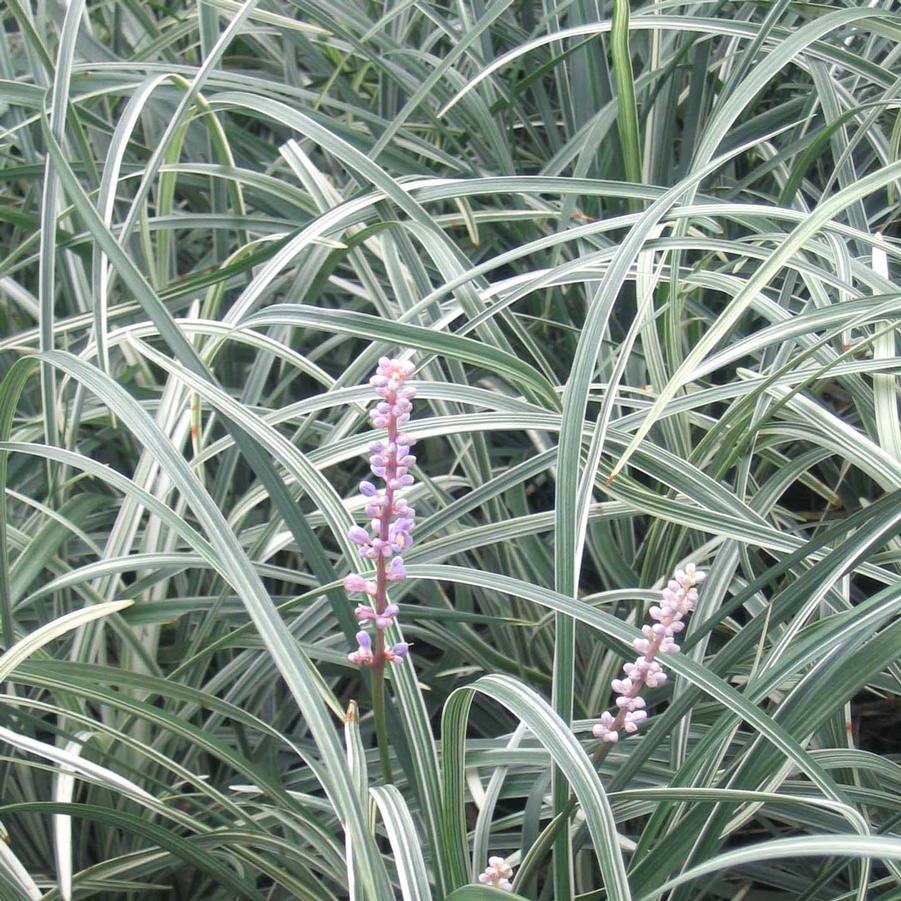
point(642, 261)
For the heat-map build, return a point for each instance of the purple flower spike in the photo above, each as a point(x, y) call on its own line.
point(392, 518)
point(676, 601)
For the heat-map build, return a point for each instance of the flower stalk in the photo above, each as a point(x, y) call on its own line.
point(392, 521)
point(677, 600)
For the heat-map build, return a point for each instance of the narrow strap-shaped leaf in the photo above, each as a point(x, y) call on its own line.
point(405, 845)
point(569, 756)
point(407, 335)
point(35, 640)
point(872, 846)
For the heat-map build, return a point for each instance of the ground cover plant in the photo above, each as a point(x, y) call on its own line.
point(624, 622)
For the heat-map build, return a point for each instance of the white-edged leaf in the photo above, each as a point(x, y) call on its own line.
point(35, 640)
point(404, 840)
point(63, 789)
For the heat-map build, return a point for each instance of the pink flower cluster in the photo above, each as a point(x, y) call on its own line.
point(392, 518)
point(677, 600)
point(498, 873)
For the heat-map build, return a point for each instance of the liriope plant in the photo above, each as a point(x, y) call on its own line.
point(645, 258)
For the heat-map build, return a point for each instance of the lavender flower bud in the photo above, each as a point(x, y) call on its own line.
point(359, 535)
point(354, 584)
point(397, 572)
point(384, 620)
point(362, 656)
point(398, 652)
point(498, 873)
point(604, 729)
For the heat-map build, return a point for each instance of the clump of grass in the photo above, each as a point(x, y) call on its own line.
point(647, 259)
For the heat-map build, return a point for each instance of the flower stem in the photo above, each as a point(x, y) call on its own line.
point(381, 725)
point(381, 602)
